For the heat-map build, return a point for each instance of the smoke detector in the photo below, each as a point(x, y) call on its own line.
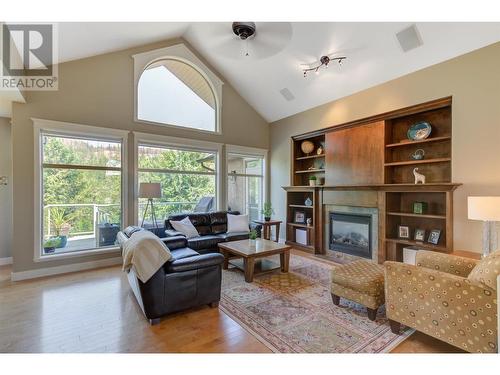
point(244, 30)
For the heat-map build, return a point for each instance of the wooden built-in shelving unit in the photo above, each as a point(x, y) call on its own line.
point(374, 154)
point(296, 202)
point(306, 165)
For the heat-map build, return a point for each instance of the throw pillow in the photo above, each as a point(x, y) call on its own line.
point(487, 270)
point(237, 223)
point(185, 227)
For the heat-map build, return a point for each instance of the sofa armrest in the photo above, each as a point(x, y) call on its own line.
point(446, 306)
point(173, 233)
point(175, 242)
point(451, 264)
point(195, 262)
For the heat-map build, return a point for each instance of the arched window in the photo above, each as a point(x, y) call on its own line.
point(176, 91)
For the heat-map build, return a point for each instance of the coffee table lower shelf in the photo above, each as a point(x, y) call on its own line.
point(260, 265)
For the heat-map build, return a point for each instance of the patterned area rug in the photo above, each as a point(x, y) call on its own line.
point(293, 312)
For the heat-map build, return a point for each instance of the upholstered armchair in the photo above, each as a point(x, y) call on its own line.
point(451, 298)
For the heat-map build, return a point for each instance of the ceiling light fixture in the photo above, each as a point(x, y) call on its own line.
point(323, 61)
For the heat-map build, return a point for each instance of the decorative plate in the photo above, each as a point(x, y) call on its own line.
point(419, 131)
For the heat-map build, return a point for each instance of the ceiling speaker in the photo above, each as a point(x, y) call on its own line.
point(287, 94)
point(409, 38)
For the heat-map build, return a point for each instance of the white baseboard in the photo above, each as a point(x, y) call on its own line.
point(5, 261)
point(49, 271)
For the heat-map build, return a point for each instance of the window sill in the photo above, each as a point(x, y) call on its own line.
point(76, 254)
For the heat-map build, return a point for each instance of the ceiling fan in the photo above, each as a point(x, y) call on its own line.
point(255, 40)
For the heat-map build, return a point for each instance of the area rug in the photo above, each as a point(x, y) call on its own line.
point(293, 312)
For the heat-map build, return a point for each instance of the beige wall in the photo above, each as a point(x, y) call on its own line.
point(474, 82)
point(98, 91)
point(5, 191)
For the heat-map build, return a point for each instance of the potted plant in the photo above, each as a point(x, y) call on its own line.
point(312, 180)
point(252, 235)
point(267, 211)
point(50, 245)
point(60, 219)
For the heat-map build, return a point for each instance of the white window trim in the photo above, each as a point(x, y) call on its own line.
point(85, 131)
point(181, 53)
point(249, 151)
point(176, 142)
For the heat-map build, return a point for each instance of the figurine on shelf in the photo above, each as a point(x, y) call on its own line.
point(309, 221)
point(419, 178)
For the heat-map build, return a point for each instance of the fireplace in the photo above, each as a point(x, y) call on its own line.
point(351, 233)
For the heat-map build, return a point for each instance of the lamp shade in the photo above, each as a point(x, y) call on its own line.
point(484, 208)
point(150, 190)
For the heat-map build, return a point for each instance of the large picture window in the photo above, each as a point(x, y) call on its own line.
point(81, 192)
point(174, 93)
point(173, 87)
point(245, 184)
point(188, 179)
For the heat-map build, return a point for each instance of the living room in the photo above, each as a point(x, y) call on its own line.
point(275, 186)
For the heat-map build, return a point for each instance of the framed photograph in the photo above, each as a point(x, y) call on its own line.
point(419, 207)
point(419, 235)
point(434, 236)
point(404, 231)
point(300, 217)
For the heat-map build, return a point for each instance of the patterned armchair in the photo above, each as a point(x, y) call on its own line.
point(451, 298)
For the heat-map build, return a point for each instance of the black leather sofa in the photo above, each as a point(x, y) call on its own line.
point(212, 227)
point(188, 280)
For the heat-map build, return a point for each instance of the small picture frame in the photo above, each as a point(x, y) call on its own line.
point(404, 231)
point(300, 217)
point(434, 236)
point(419, 235)
point(419, 207)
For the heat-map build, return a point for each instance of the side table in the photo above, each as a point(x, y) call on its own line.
point(266, 228)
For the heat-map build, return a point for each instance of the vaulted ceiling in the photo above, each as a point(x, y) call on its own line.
point(277, 51)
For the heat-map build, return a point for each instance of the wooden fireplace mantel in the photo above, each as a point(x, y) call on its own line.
point(437, 187)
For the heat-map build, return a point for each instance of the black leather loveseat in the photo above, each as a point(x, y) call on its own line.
point(188, 280)
point(212, 227)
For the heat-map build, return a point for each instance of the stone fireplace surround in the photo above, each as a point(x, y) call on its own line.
point(351, 202)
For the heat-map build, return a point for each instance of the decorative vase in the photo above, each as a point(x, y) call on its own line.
point(418, 154)
point(312, 182)
point(267, 218)
point(308, 202)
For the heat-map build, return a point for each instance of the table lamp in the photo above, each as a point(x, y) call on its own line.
point(150, 190)
point(486, 209)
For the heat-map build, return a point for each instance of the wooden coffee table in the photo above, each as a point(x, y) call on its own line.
point(250, 251)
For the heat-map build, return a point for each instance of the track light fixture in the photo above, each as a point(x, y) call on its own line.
point(323, 61)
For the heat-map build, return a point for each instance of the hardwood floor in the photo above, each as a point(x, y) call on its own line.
point(95, 311)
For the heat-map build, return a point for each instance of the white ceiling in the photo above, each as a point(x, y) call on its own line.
point(373, 54)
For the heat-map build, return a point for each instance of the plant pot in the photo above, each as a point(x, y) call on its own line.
point(267, 218)
point(49, 250)
point(63, 241)
point(312, 182)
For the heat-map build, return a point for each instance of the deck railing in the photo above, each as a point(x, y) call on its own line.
point(108, 213)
